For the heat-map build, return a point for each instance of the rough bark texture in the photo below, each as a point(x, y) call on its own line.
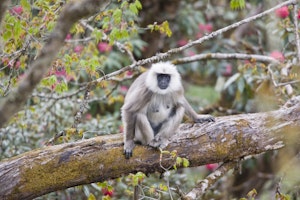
point(41, 171)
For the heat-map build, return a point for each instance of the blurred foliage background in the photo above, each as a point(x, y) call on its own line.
point(65, 108)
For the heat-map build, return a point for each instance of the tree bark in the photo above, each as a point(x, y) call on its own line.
point(3, 7)
point(230, 138)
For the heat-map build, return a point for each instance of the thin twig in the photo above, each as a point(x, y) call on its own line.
point(66, 96)
point(295, 16)
point(209, 181)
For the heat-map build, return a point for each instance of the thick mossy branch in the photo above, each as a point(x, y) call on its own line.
point(230, 138)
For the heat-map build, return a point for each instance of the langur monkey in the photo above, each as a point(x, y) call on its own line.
point(154, 107)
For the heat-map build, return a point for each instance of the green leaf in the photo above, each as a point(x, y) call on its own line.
point(124, 33)
point(117, 16)
point(163, 187)
point(7, 35)
point(166, 29)
point(124, 5)
point(135, 7)
point(178, 161)
point(26, 5)
point(105, 22)
point(138, 4)
point(91, 197)
point(237, 4)
point(185, 162)
point(97, 34)
point(61, 87)
point(52, 79)
point(17, 30)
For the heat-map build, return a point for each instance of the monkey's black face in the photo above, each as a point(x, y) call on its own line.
point(163, 80)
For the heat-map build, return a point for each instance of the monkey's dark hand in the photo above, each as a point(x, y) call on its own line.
point(157, 142)
point(204, 118)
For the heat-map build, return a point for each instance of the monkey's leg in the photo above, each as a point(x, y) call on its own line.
point(143, 129)
point(168, 128)
point(129, 125)
point(195, 116)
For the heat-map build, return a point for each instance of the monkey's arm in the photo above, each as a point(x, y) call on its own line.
point(189, 111)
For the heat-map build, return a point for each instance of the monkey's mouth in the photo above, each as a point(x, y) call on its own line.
point(163, 87)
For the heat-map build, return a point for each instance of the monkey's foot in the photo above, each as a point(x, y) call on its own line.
point(127, 153)
point(128, 148)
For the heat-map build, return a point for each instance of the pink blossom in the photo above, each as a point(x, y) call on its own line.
point(104, 47)
point(78, 49)
point(17, 64)
point(228, 70)
point(205, 28)
point(68, 37)
point(277, 55)
point(211, 167)
point(17, 10)
point(123, 88)
point(282, 12)
point(88, 116)
point(129, 73)
point(60, 72)
point(182, 42)
point(191, 53)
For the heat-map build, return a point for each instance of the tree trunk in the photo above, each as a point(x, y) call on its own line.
point(52, 168)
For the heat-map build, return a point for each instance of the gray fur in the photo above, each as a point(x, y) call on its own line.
point(150, 115)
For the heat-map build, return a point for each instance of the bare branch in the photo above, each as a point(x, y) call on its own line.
point(240, 56)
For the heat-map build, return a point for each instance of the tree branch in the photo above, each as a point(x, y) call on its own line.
point(230, 138)
point(3, 7)
point(227, 56)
